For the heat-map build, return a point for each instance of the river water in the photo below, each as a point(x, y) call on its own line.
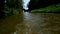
point(31, 23)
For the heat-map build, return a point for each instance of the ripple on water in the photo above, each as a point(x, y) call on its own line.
point(32, 23)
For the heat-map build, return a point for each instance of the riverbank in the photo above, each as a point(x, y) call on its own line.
point(50, 9)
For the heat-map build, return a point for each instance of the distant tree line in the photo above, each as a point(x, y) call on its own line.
point(35, 4)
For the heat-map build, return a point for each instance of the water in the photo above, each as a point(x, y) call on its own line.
point(31, 23)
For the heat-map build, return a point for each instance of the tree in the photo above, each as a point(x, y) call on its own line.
point(1, 8)
point(14, 3)
point(36, 4)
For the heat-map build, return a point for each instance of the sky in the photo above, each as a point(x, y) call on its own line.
point(25, 2)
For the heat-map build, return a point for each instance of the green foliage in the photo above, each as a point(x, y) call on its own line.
point(14, 3)
point(13, 7)
point(11, 11)
point(52, 8)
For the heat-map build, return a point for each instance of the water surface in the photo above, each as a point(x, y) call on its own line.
point(31, 23)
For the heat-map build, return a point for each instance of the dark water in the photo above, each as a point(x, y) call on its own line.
point(31, 23)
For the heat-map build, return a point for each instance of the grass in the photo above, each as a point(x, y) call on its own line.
point(52, 8)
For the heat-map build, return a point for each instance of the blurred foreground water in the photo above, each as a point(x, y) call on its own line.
point(31, 23)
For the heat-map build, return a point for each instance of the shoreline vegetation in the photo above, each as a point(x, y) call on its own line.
point(49, 9)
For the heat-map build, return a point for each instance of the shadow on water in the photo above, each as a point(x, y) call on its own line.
point(8, 25)
point(31, 23)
